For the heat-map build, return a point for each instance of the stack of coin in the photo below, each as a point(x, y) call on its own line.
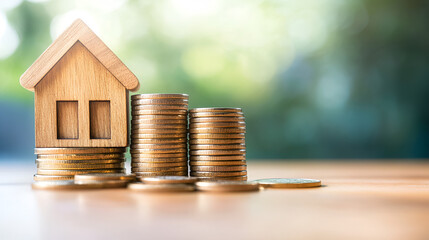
point(159, 135)
point(63, 163)
point(217, 144)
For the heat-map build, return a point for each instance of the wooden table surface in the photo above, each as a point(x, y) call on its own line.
point(358, 200)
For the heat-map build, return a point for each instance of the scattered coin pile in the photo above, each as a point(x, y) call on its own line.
point(159, 134)
point(217, 144)
point(63, 163)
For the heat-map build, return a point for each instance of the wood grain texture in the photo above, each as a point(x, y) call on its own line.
point(99, 115)
point(78, 31)
point(358, 200)
point(79, 76)
point(67, 120)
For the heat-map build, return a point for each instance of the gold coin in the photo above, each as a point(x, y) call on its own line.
point(215, 119)
point(160, 96)
point(159, 165)
point(159, 160)
point(158, 155)
point(79, 166)
point(158, 140)
point(83, 162)
point(158, 131)
point(160, 117)
point(158, 146)
point(216, 146)
point(211, 179)
point(157, 126)
point(215, 109)
point(158, 135)
point(71, 185)
point(218, 174)
point(218, 158)
point(217, 125)
point(167, 101)
point(169, 180)
point(227, 186)
point(218, 152)
point(216, 114)
point(288, 183)
point(218, 168)
point(159, 112)
point(159, 169)
point(216, 136)
point(38, 177)
point(78, 157)
point(159, 121)
point(88, 150)
point(217, 141)
point(161, 187)
point(152, 174)
point(159, 107)
point(105, 177)
point(150, 151)
point(218, 130)
point(74, 172)
point(217, 163)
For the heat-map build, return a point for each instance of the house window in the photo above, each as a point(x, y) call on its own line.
point(67, 120)
point(99, 115)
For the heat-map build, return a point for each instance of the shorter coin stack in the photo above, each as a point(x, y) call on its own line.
point(63, 163)
point(159, 135)
point(217, 144)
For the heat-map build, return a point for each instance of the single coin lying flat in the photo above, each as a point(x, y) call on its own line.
point(143, 187)
point(71, 185)
point(288, 183)
point(169, 180)
point(82, 178)
point(227, 186)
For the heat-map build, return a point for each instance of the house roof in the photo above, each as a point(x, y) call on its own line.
point(78, 31)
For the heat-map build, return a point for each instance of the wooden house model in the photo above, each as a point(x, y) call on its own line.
point(81, 92)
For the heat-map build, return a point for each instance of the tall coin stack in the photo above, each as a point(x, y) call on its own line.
point(217, 144)
point(159, 134)
point(63, 163)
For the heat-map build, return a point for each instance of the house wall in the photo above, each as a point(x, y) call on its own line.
point(80, 77)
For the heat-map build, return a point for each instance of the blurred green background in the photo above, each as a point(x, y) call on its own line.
point(315, 78)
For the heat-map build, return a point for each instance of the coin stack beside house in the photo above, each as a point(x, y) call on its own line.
point(159, 134)
point(64, 163)
point(217, 144)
